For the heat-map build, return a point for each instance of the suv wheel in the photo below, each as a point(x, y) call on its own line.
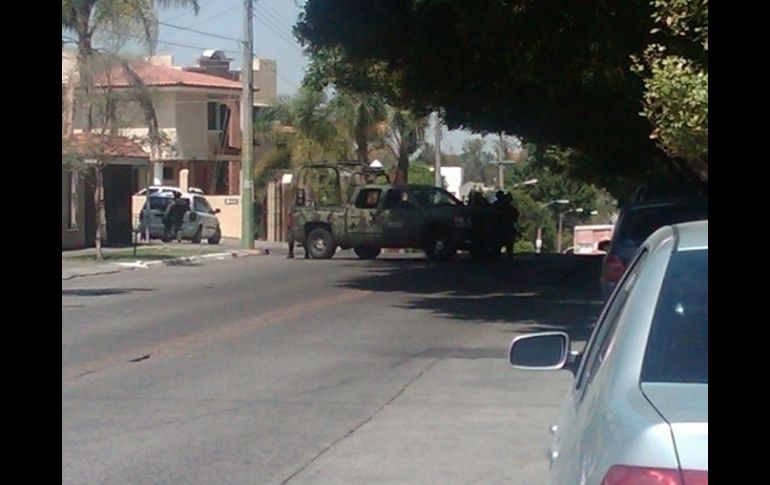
point(216, 237)
point(367, 253)
point(196, 239)
point(320, 244)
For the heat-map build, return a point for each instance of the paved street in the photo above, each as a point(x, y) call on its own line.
point(269, 371)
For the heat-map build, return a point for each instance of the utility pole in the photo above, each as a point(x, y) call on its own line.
point(437, 161)
point(247, 125)
point(500, 167)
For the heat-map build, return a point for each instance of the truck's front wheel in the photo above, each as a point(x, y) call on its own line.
point(438, 246)
point(320, 244)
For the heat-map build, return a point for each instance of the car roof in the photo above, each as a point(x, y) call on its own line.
point(665, 203)
point(689, 236)
point(692, 235)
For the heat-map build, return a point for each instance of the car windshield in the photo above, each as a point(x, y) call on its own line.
point(639, 223)
point(677, 349)
point(428, 196)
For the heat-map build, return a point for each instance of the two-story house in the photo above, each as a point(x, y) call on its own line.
point(198, 114)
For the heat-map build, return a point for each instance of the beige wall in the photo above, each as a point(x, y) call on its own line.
point(75, 237)
point(192, 126)
point(265, 78)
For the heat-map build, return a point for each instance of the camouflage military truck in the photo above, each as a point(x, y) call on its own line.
point(375, 216)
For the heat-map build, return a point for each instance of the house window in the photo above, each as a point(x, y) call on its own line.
point(217, 115)
point(72, 201)
point(168, 174)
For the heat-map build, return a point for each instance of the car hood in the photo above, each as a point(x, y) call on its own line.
point(685, 408)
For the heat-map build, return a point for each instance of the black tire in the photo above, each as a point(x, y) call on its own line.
point(196, 239)
point(320, 244)
point(438, 246)
point(216, 237)
point(367, 253)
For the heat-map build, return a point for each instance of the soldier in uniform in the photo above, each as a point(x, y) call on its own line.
point(173, 217)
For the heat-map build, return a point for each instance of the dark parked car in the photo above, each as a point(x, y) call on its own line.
point(635, 223)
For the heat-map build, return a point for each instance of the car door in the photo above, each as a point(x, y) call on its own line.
point(399, 219)
point(203, 211)
point(363, 224)
point(572, 441)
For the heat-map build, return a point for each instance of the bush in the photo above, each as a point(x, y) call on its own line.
point(523, 247)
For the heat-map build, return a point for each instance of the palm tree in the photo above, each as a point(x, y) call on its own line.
point(362, 117)
point(405, 133)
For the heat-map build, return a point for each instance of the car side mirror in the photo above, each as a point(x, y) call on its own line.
point(540, 351)
point(604, 246)
point(299, 198)
point(217, 210)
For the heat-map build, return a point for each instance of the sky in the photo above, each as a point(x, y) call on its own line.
point(273, 39)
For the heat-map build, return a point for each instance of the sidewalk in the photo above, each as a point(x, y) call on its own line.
point(81, 262)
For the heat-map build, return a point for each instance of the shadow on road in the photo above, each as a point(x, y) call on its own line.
point(538, 293)
point(100, 291)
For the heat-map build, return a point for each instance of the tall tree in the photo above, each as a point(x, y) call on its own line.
point(405, 135)
point(363, 117)
point(551, 71)
point(675, 73)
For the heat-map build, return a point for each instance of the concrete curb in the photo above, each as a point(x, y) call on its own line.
point(139, 264)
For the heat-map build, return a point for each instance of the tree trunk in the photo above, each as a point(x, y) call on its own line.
point(101, 220)
point(362, 147)
point(402, 169)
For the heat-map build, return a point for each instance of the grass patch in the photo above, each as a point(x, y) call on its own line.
point(148, 253)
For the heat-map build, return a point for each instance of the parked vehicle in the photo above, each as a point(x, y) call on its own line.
point(638, 410)
point(587, 238)
point(157, 189)
point(375, 216)
point(200, 222)
point(634, 224)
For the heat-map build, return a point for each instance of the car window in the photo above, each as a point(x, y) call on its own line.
point(677, 348)
point(433, 196)
point(599, 344)
point(638, 223)
point(201, 205)
point(368, 199)
point(159, 203)
point(397, 199)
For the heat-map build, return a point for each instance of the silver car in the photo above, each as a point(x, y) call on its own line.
point(638, 410)
point(200, 222)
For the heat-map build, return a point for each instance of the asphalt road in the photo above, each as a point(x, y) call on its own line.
point(269, 371)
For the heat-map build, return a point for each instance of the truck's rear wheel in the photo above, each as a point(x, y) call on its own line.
point(438, 246)
point(367, 253)
point(320, 244)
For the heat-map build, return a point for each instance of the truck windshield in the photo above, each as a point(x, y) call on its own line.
point(428, 196)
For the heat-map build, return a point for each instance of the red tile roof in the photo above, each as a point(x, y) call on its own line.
point(110, 145)
point(166, 76)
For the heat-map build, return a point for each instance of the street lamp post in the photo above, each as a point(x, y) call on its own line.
point(539, 240)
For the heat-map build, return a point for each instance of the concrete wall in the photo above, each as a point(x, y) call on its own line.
point(192, 126)
point(72, 238)
point(266, 79)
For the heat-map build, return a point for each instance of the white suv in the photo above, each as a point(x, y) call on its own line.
point(200, 222)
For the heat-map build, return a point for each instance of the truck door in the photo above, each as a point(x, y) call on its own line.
point(400, 219)
point(362, 221)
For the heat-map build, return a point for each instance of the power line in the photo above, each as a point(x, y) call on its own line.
point(279, 34)
point(279, 20)
point(214, 17)
point(199, 32)
point(198, 48)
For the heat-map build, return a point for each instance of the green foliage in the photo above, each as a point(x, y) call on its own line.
point(675, 74)
point(552, 72)
point(420, 174)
